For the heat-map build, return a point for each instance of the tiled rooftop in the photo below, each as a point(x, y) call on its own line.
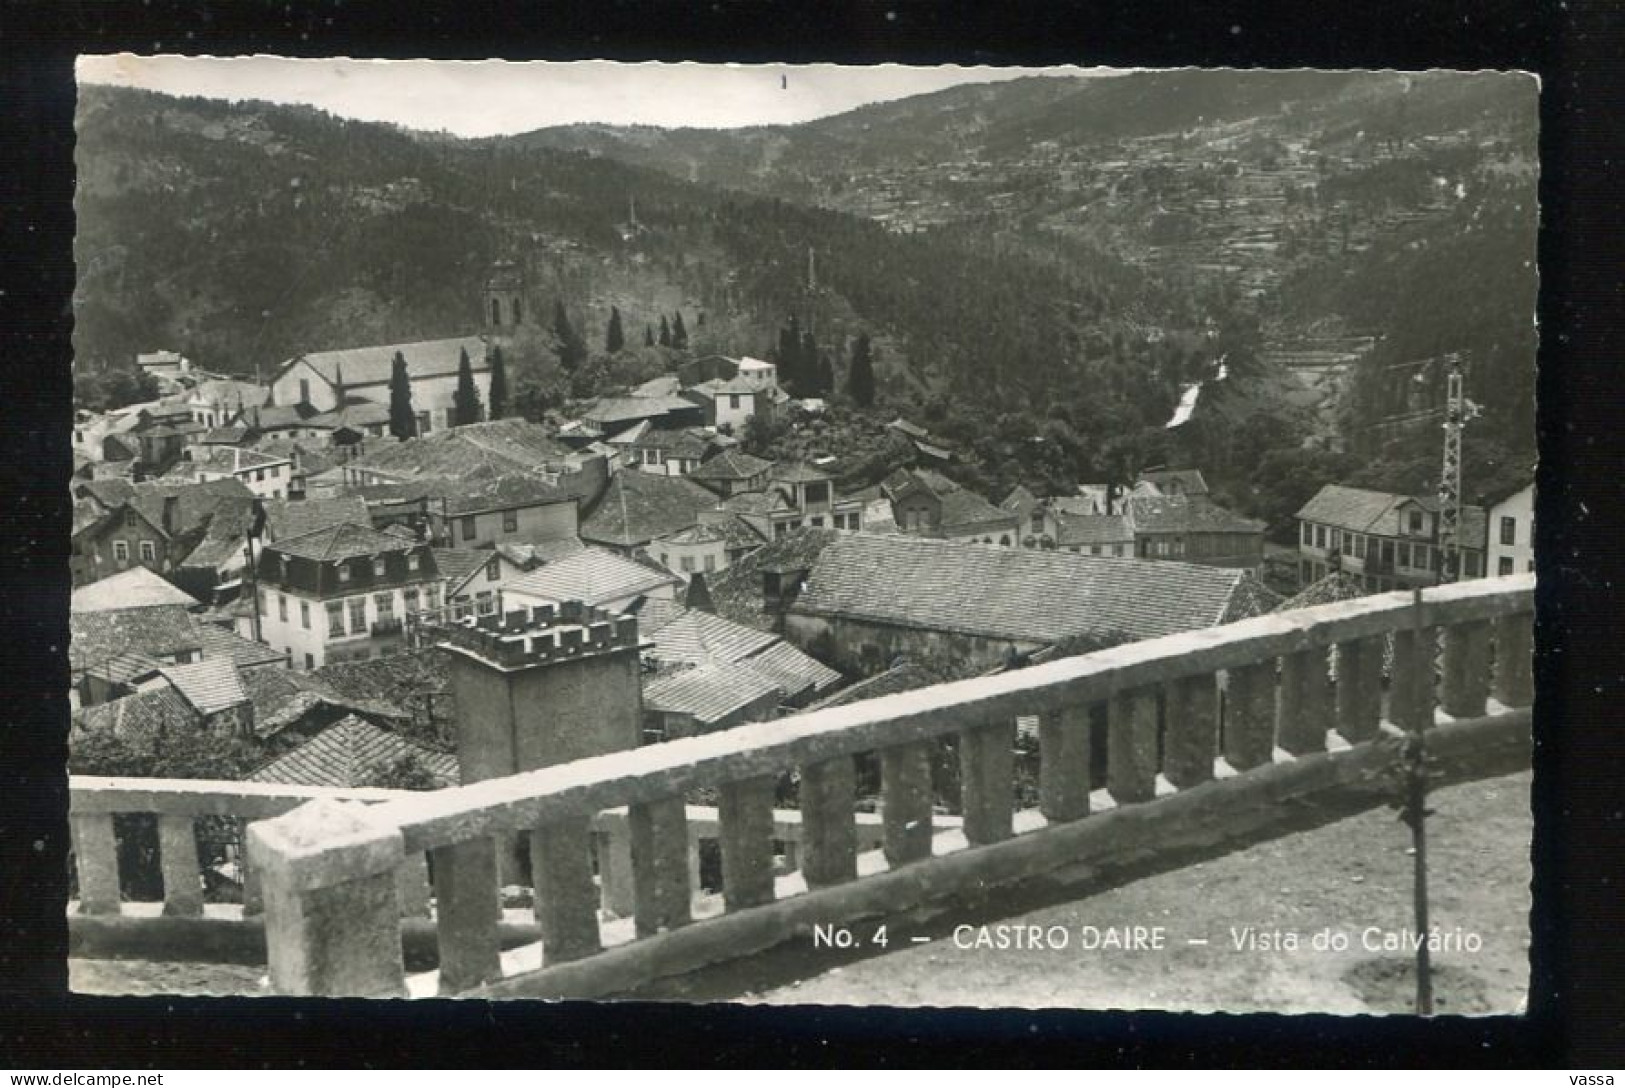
point(636, 507)
point(335, 542)
point(133, 588)
point(373, 365)
point(1011, 593)
point(354, 753)
point(593, 576)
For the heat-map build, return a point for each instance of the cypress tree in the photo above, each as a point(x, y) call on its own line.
point(860, 376)
point(665, 332)
point(499, 383)
point(571, 350)
point(402, 423)
point(465, 400)
point(807, 364)
point(648, 336)
point(679, 334)
point(615, 339)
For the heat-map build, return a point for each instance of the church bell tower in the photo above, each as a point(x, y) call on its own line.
point(503, 304)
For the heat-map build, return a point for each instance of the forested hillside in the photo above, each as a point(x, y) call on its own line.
point(1040, 265)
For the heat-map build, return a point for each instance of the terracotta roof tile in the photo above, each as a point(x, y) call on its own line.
point(352, 753)
point(636, 507)
point(593, 576)
point(1010, 593)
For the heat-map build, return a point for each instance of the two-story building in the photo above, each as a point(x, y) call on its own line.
point(797, 495)
point(926, 503)
point(729, 404)
point(1388, 541)
point(665, 452)
point(266, 475)
point(1194, 529)
point(1511, 545)
point(216, 401)
point(731, 472)
point(341, 593)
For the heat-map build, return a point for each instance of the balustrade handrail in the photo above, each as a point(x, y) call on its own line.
point(428, 821)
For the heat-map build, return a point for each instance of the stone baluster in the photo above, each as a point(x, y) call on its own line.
point(1303, 705)
point(330, 939)
point(1410, 690)
point(1249, 719)
point(468, 913)
point(986, 781)
point(828, 849)
point(253, 894)
point(1063, 763)
point(1514, 683)
point(177, 857)
point(1359, 689)
point(615, 867)
point(905, 786)
point(95, 855)
point(1466, 681)
point(1191, 738)
point(566, 899)
point(660, 866)
point(412, 886)
point(1131, 746)
point(745, 828)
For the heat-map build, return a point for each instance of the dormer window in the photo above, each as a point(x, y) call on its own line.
point(1416, 521)
point(378, 566)
point(413, 562)
point(344, 572)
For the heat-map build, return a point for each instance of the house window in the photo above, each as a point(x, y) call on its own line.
point(121, 551)
point(378, 566)
point(304, 390)
point(710, 563)
point(514, 307)
point(485, 602)
point(304, 615)
point(1469, 562)
point(129, 519)
point(431, 596)
point(468, 527)
point(310, 662)
point(1509, 531)
point(149, 552)
point(423, 423)
point(687, 564)
point(1359, 546)
point(384, 603)
point(1038, 523)
point(1306, 535)
point(496, 311)
point(344, 572)
point(335, 619)
point(510, 521)
point(817, 521)
point(259, 475)
point(1320, 536)
point(493, 570)
point(1094, 549)
point(1416, 521)
point(733, 400)
point(282, 607)
point(1503, 565)
point(1404, 555)
point(409, 601)
point(358, 615)
point(413, 562)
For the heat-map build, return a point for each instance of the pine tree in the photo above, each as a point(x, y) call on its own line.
point(648, 336)
point(860, 376)
point(615, 339)
point(665, 332)
point(679, 334)
point(499, 383)
point(402, 423)
point(465, 400)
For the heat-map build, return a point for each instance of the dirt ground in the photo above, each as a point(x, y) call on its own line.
point(1344, 878)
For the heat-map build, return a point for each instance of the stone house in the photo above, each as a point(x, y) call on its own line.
point(866, 600)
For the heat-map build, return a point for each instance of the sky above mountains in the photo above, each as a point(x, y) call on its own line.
point(485, 98)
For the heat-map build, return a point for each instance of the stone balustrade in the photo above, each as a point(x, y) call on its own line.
point(178, 804)
point(1254, 701)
